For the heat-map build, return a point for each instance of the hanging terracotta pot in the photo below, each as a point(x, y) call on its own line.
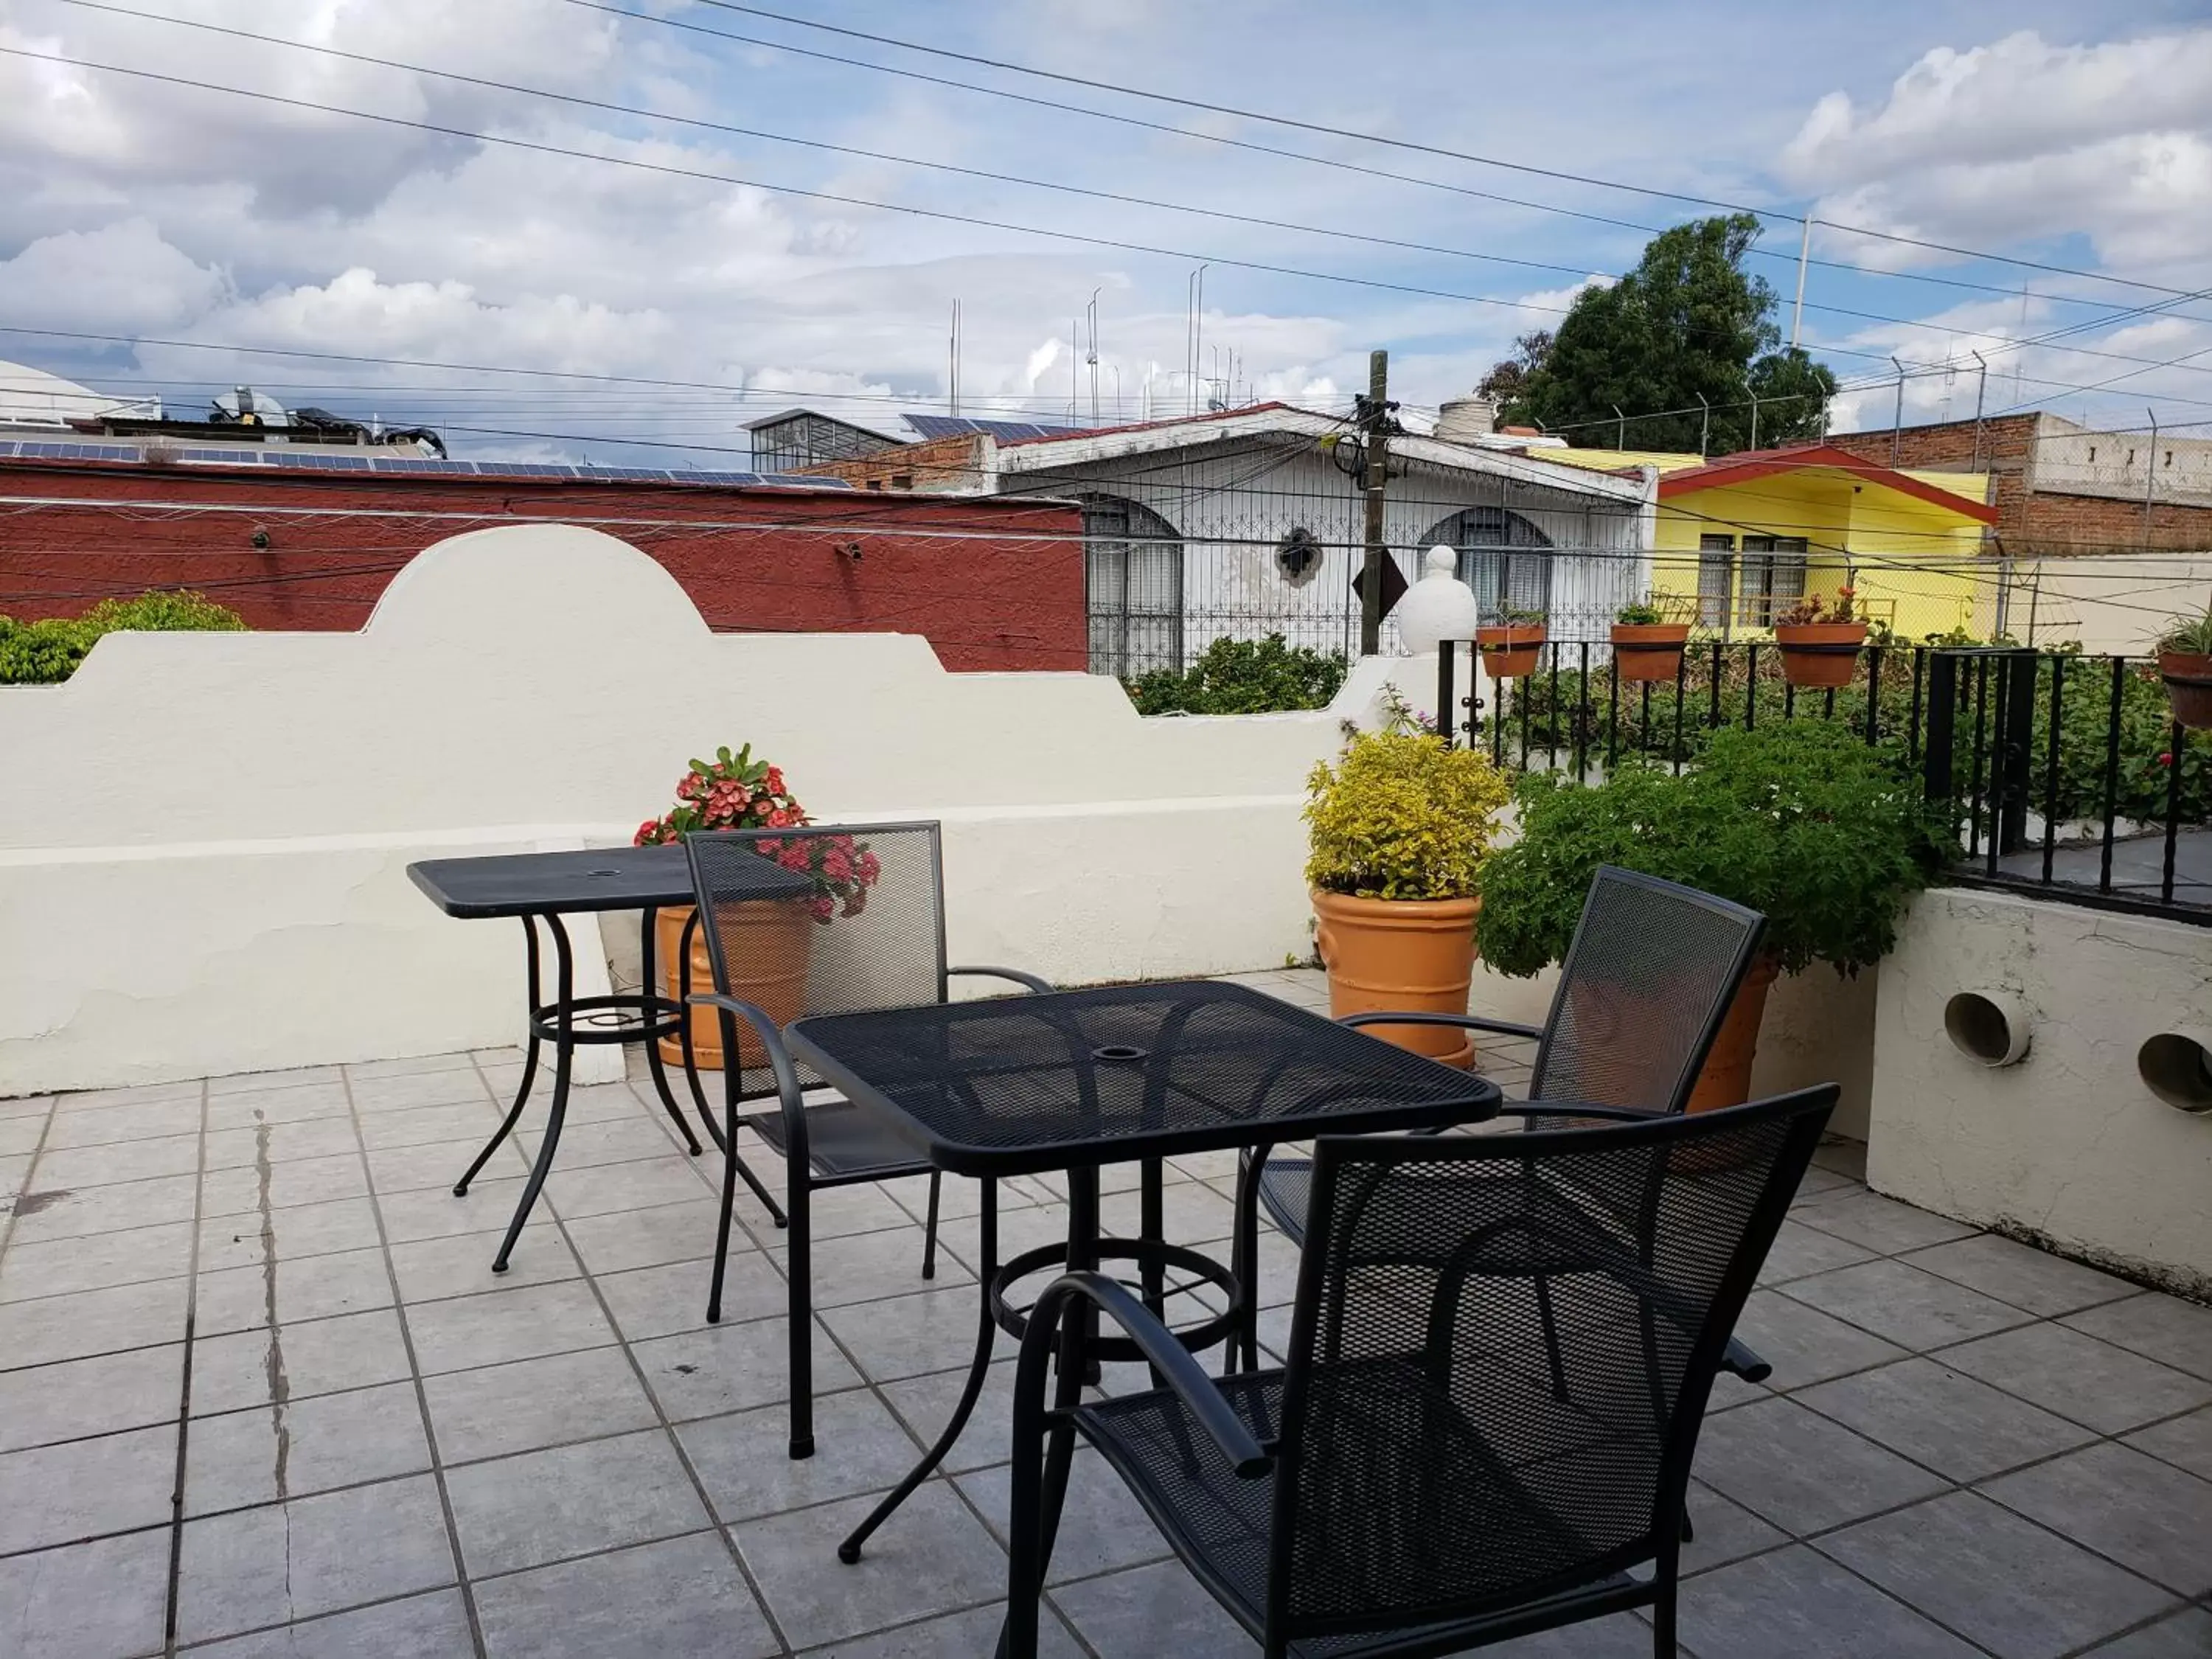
point(1820, 655)
point(1413, 955)
point(1648, 652)
point(1725, 1080)
point(1509, 652)
point(766, 943)
point(2188, 679)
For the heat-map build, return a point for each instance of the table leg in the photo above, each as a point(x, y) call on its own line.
point(529, 1065)
point(564, 1049)
point(652, 1061)
point(987, 1330)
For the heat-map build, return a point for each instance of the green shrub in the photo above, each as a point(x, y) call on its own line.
point(1803, 822)
point(1244, 677)
point(1401, 815)
point(47, 652)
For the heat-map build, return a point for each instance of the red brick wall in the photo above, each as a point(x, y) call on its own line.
point(941, 464)
point(2030, 521)
point(1007, 594)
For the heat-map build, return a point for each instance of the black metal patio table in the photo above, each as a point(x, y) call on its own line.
point(1073, 1080)
point(543, 887)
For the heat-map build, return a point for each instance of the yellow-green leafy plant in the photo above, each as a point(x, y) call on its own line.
point(1401, 815)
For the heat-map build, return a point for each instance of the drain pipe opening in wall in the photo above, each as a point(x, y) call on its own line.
point(2176, 1067)
point(1989, 1027)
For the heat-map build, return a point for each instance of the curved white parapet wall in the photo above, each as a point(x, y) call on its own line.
point(203, 837)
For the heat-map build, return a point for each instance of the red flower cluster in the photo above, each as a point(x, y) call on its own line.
point(736, 791)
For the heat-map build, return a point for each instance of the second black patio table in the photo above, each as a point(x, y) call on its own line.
point(1073, 1080)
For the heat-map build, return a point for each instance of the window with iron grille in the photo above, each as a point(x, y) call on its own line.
point(1716, 573)
point(1133, 563)
point(1505, 559)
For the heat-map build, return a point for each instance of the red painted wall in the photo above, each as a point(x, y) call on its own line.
point(991, 583)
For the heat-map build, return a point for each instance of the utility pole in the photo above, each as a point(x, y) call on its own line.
point(1754, 416)
point(2150, 474)
point(1797, 313)
point(1093, 358)
point(1704, 423)
point(1374, 416)
point(1981, 387)
point(1896, 421)
point(1619, 429)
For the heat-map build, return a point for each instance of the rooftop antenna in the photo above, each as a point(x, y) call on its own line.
point(1073, 353)
point(953, 379)
point(1093, 358)
point(1197, 334)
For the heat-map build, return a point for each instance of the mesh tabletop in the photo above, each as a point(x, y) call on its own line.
point(1020, 1084)
point(595, 878)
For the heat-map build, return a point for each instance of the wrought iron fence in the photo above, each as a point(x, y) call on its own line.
point(2068, 776)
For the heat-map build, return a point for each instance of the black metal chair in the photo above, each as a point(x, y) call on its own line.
point(1648, 977)
point(1414, 1481)
point(887, 951)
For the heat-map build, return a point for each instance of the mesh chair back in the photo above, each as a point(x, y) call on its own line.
point(1646, 983)
point(1494, 1383)
point(830, 919)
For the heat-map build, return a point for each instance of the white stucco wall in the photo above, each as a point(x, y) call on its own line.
point(2067, 1146)
point(204, 837)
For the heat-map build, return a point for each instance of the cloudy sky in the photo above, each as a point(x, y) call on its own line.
point(680, 190)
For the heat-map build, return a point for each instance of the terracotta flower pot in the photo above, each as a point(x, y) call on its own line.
point(768, 942)
point(2188, 679)
point(1509, 652)
point(1725, 1080)
point(1820, 655)
point(1413, 955)
point(1647, 652)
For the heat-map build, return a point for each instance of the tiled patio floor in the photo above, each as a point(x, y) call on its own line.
point(1972, 1448)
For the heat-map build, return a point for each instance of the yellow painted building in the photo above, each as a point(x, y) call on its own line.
point(1741, 538)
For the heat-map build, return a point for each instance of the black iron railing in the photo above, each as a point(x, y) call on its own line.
point(2068, 775)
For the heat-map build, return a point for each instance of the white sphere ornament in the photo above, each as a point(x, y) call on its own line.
point(1438, 607)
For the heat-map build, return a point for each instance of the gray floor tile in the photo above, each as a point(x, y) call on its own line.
point(1804, 1345)
point(296, 1103)
point(79, 1100)
point(433, 1269)
point(497, 1410)
point(2044, 1284)
point(2093, 1382)
point(105, 1599)
point(302, 1180)
point(744, 1459)
point(354, 1351)
point(647, 1237)
point(256, 1567)
point(1101, 1529)
point(280, 1143)
point(125, 1160)
point(932, 1557)
point(117, 1126)
point(2185, 1635)
point(306, 1230)
point(432, 1627)
point(869, 1266)
point(624, 1139)
point(53, 1213)
point(1800, 1471)
point(504, 1325)
point(2167, 1329)
point(2145, 1514)
point(1190, 1214)
point(438, 1164)
point(1796, 1603)
point(925, 1403)
point(468, 1123)
point(1153, 1611)
point(670, 1179)
point(14, 1172)
point(130, 1257)
point(79, 1397)
point(1962, 1560)
point(51, 1328)
point(434, 1212)
point(289, 1077)
point(1878, 1224)
point(910, 1336)
point(1799, 1251)
point(734, 1368)
point(389, 1094)
point(410, 1066)
point(650, 1302)
point(957, 1636)
point(678, 1597)
point(1904, 1305)
point(543, 1506)
point(264, 1456)
point(1961, 1428)
point(20, 1135)
point(63, 1494)
point(312, 1287)
point(2186, 1441)
point(1726, 1531)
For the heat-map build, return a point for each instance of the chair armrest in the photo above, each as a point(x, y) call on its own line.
point(1467, 1022)
point(1028, 981)
point(1739, 1361)
point(1569, 1108)
point(1167, 1357)
point(771, 1040)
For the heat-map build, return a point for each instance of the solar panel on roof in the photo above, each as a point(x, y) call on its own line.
point(955, 426)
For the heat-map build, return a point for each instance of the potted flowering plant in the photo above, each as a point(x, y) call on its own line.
point(2185, 663)
point(1399, 829)
point(1647, 646)
point(1510, 646)
point(1820, 643)
point(766, 941)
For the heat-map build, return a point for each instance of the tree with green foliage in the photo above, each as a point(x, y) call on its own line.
point(48, 651)
point(1687, 323)
point(1244, 677)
